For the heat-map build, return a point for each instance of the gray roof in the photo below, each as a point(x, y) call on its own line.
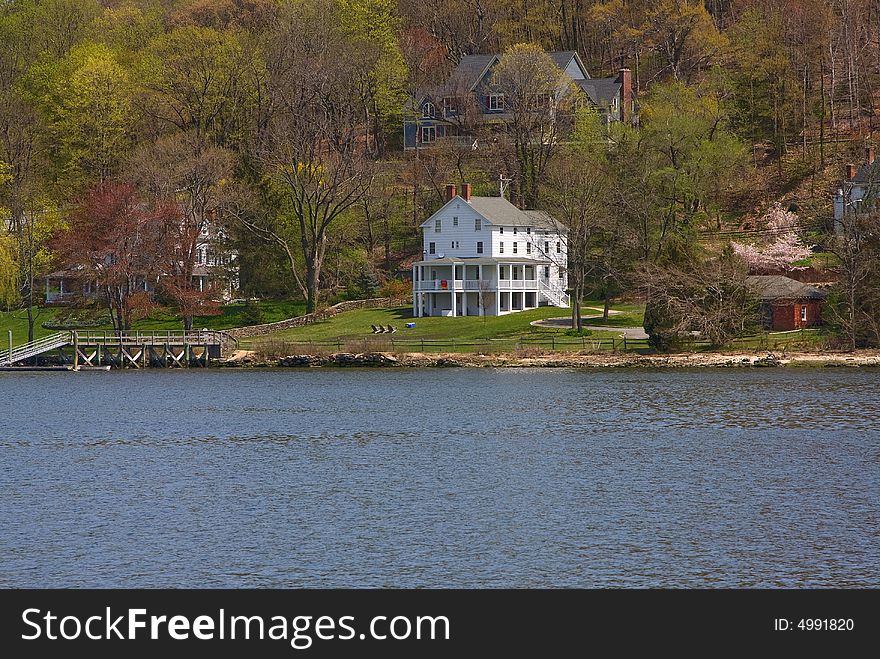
point(779, 287)
point(468, 72)
point(868, 173)
point(499, 211)
point(601, 90)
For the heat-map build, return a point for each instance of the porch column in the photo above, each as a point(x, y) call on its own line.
point(481, 293)
point(498, 289)
point(415, 280)
point(452, 289)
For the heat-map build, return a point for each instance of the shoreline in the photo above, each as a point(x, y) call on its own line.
point(859, 359)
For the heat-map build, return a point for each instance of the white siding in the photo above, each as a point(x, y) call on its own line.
point(463, 234)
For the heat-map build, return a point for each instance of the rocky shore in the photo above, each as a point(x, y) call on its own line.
point(557, 360)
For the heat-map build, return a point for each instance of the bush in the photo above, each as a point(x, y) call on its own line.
point(396, 288)
point(252, 314)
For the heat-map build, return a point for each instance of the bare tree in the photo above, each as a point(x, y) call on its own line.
point(315, 156)
point(537, 96)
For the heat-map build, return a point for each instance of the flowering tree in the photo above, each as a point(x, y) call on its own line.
point(782, 247)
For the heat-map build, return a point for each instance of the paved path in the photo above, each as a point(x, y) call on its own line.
point(565, 323)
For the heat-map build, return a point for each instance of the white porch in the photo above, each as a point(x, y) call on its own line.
point(486, 288)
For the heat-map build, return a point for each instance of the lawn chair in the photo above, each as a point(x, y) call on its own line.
point(391, 329)
point(377, 330)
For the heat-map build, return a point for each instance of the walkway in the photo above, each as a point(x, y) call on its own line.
point(565, 323)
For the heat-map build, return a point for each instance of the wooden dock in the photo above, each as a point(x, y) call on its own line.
point(155, 349)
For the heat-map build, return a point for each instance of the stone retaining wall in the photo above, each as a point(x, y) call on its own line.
point(307, 319)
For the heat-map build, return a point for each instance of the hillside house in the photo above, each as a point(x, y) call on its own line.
point(859, 190)
point(439, 114)
point(787, 304)
point(483, 256)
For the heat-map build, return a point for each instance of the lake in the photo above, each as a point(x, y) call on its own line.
point(441, 478)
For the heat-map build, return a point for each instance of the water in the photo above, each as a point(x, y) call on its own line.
point(446, 477)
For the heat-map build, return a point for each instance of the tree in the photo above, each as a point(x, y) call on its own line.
point(854, 303)
point(782, 246)
point(202, 81)
point(537, 94)
point(121, 244)
point(576, 196)
point(85, 100)
point(196, 175)
point(710, 299)
point(315, 162)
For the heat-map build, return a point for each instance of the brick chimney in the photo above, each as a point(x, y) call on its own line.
point(466, 192)
point(450, 191)
point(626, 94)
point(869, 155)
point(850, 172)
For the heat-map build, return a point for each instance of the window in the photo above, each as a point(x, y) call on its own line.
point(501, 248)
point(528, 229)
point(432, 248)
point(804, 314)
point(455, 221)
point(478, 224)
point(558, 247)
point(546, 272)
point(546, 247)
point(454, 244)
point(429, 134)
point(428, 110)
point(514, 248)
point(479, 247)
point(502, 272)
point(501, 230)
point(528, 248)
point(496, 102)
point(514, 231)
point(438, 225)
point(449, 106)
point(561, 273)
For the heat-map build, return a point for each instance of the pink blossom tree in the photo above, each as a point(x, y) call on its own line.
point(781, 246)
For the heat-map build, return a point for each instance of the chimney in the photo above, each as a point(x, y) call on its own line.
point(466, 192)
point(626, 94)
point(869, 155)
point(850, 172)
point(450, 191)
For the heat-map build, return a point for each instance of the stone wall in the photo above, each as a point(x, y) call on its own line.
point(307, 319)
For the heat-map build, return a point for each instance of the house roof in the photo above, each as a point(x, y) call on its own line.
point(602, 91)
point(779, 287)
point(469, 72)
point(500, 212)
point(868, 173)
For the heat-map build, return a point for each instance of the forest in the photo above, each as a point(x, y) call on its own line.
point(127, 127)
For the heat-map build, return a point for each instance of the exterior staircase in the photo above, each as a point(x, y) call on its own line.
point(556, 296)
point(34, 348)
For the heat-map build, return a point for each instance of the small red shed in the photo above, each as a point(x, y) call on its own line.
point(787, 304)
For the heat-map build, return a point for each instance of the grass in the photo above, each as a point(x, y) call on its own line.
point(462, 334)
point(233, 315)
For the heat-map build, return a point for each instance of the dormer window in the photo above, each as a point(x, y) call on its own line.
point(495, 102)
point(428, 110)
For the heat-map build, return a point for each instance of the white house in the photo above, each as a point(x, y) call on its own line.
point(860, 189)
point(483, 256)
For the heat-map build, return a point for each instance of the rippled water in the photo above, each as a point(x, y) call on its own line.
point(447, 477)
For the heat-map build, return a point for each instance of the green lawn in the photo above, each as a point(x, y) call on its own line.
point(354, 326)
point(233, 315)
